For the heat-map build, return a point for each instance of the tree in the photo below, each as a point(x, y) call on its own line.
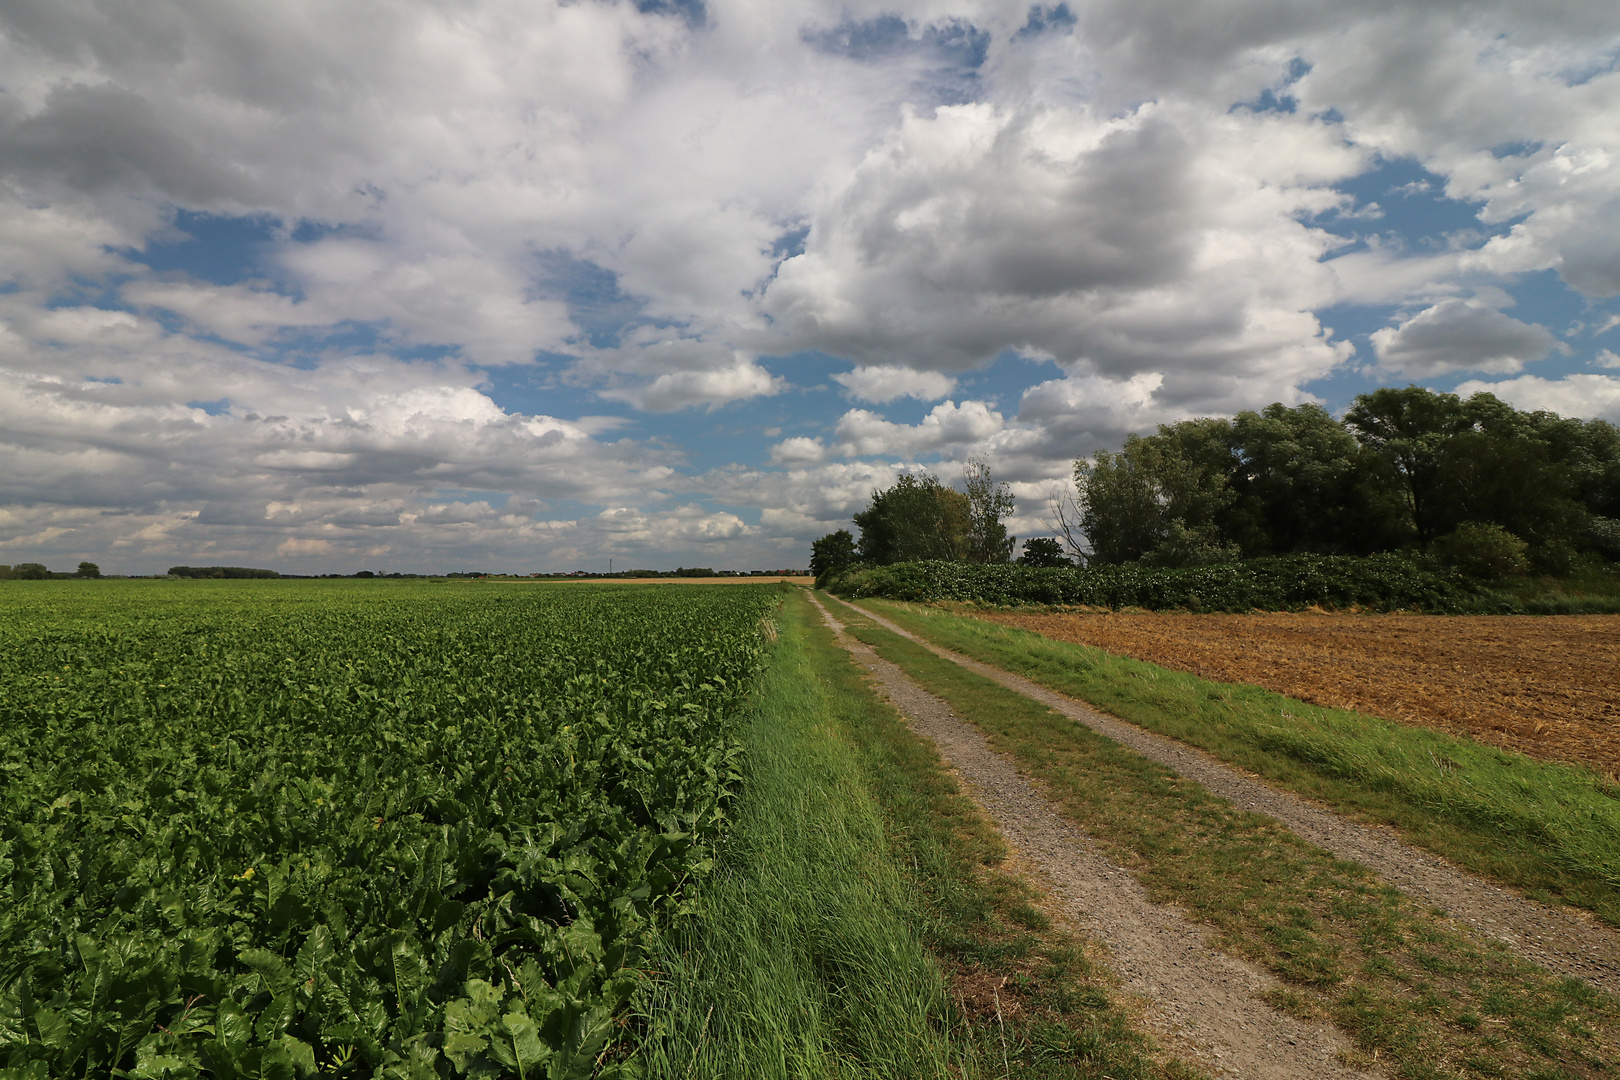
point(918, 518)
point(1064, 518)
point(1162, 499)
point(1409, 429)
point(1120, 515)
point(88, 569)
point(988, 503)
point(30, 571)
point(1043, 551)
point(1300, 481)
point(832, 553)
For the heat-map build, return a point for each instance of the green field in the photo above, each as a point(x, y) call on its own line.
point(269, 829)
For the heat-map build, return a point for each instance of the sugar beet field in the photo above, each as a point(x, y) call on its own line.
point(434, 830)
point(271, 831)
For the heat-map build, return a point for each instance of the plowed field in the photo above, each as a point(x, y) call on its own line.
point(1545, 686)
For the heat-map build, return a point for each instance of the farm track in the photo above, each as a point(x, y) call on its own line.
point(1563, 940)
point(1203, 1004)
point(1543, 686)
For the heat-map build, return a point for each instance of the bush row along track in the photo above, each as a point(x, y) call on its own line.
point(1546, 686)
point(1566, 942)
point(281, 829)
point(1206, 1004)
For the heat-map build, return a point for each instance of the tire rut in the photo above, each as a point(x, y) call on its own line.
point(1565, 941)
point(1203, 1004)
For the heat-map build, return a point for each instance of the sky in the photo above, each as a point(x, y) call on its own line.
point(419, 285)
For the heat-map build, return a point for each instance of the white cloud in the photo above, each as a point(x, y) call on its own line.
point(234, 312)
point(1580, 394)
point(1606, 358)
point(1460, 335)
point(1165, 239)
point(673, 390)
point(882, 383)
point(1097, 196)
point(861, 433)
point(799, 450)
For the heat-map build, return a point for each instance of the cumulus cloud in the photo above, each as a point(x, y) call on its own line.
point(882, 383)
point(800, 449)
point(625, 209)
point(861, 433)
point(1460, 335)
point(1105, 242)
point(1078, 416)
point(673, 390)
point(1580, 394)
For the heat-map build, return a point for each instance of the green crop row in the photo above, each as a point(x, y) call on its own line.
point(1279, 583)
point(255, 830)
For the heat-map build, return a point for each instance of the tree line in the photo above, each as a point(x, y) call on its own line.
point(1475, 482)
point(921, 518)
point(33, 571)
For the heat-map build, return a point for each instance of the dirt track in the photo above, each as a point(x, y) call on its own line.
point(1545, 686)
point(1202, 1003)
point(1563, 940)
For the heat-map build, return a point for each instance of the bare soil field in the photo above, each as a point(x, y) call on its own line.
point(1546, 686)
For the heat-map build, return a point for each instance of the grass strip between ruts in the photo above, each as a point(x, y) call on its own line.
point(1548, 828)
point(1406, 986)
point(856, 911)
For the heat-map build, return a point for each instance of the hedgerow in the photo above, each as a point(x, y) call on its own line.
point(1282, 583)
point(281, 830)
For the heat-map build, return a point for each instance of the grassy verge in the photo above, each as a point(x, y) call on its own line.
point(1592, 590)
point(1400, 981)
point(1551, 829)
point(857, 912)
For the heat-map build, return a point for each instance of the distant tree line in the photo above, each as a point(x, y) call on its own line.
point(33, 571)
point(233, 572)
point(921, 518)
point(1481, 485)
point(1469, 480)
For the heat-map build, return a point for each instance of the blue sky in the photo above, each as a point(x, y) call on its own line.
point(531, 286)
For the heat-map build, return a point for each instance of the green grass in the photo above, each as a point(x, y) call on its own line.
point(1551, 829)
point(855, 900)
point(1593, 589)
point(1394, 976)
point(806, 961)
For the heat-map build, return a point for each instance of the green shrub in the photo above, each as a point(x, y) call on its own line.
point(1486, 552)
point(1603, 537)
point(1281, 583)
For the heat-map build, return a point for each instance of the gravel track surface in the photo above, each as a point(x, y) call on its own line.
point(1565, 941)
point(1202, 1004)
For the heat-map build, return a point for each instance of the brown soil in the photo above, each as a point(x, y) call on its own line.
point(1546, 686)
